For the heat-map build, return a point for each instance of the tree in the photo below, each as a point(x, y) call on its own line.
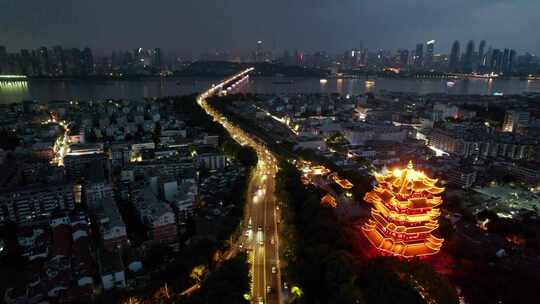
point(227, 284)
point(9, 140)
point(383, 285)
point(198, 272)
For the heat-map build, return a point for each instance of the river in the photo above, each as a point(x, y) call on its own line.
point(45, 90)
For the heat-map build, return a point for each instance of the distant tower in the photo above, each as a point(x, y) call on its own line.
point(419, 55)
point(430, 50)
point(468, 59)
point(259, 52)
point(403, 58)
point(508, 59)
point(495, 63)
point(87, 62)
point(455, 53)
point(511, 61)
point(481, 62)
point(157, 60)
point(43, 54)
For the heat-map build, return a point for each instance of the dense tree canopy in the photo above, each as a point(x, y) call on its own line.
point(8, 139)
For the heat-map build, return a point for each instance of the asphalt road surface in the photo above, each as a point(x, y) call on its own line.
point(260, 229)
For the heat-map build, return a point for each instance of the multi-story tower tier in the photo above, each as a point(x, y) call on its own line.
point(404, 213)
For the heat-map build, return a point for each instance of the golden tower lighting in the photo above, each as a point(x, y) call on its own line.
point(404, 213)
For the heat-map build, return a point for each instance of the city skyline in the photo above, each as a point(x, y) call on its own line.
point(177, 27)
point(265, 46)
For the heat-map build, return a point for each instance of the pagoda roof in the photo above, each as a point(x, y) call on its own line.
point(425, 228)
point(408, 181)
point(384, 195)
point(412, 219)
point(429, 246)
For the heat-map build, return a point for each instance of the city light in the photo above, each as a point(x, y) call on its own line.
point(329, 200)
point(13, 77)
point(438, 152)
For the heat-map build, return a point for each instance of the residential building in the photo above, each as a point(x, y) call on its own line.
point(35, 202)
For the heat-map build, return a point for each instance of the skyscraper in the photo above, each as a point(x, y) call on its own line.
point(511, 61)
point(43, 60)
point(419, 55)
point(495, 62)
point(25, 63)
point(403, 58)
point(453, 64)
point(87, 61)
point(481, 62)
point(507, 62)
point(58, 61)
point(258, 55)
point(156, 58)
point(430, 50)
point(505, 59)
point(468, 59)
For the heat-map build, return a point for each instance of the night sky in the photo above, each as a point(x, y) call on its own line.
point(195, 26)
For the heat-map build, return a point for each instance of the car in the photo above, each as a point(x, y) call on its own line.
point(274, 269)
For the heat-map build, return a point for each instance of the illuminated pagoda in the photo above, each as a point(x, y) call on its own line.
point(404, 213)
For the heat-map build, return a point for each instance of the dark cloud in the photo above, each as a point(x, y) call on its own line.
point(203, 25)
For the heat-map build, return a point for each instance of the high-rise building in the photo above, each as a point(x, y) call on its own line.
point(25, 63)
point(505, 60)
point(419, 55)
point(157, 60)
point(258, 55)
point(481, 62)
point(495, 61)
point(87, 62)
point(59, 61)
point(512, 61)
point(403, 58)
point(430, 50)
point(508, 58)
point(469, 58)
point(453, 64)
point(404, 213)
point(43, 59)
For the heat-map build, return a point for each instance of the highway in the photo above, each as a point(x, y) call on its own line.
point(260, 229)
